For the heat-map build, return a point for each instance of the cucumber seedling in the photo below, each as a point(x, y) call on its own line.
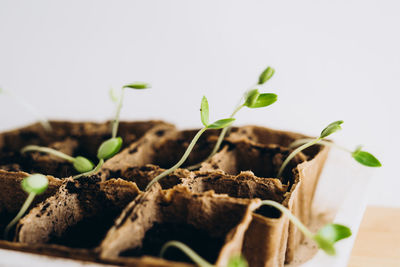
point(326, 237)
point(363, 157)
point(251, 99)
point(204, 114)
point(81, 164)
point(113, 145)
point(234, 261)
point(34, 185)
point(31, 109)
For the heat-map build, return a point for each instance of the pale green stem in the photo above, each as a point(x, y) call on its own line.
point(48, 151)
point(42, 120)
point(322, 142)
point(181, 161)
point(21, 212)
point(291, 217)
point(294, 153)
point(188, 251)
point(92, 172)
point(219, 141)
point(117, 113)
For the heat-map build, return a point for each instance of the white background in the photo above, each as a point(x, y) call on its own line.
point(333, 59)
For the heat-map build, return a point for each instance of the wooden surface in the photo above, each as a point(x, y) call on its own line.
point(378, 240)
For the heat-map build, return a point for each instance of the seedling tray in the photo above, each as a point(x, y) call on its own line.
point(64, 222)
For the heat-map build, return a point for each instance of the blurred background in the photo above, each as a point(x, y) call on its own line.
point(333, 59)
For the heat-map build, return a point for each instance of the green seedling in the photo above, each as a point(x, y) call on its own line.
point(31, 109)
point(251, 99)
point(81, 164)
point(118, 99)
point(363, 157)
point(234, 261)
point(106, 150)
point(325, 238)
point(34, 185)
point(113, 145)
point(204, 114)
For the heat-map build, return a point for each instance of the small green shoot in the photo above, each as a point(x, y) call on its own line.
point(234, 261)
point(119, 97)
point(251, 99)
point(326, 237)
point(81, 164)
point(33, 185)
point(363, 157)
point(328, 130)
point(204, 114)
point(31, 109)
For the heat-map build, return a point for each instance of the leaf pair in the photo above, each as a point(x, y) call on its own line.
point(326, 237)
point(253, 99)
point(204, 114)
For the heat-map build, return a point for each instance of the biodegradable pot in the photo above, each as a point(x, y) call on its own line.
point(218, 205)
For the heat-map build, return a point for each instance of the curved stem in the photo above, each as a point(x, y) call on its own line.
point(322, 142)
point(117, 113)
point(291, 217)
point(294, 153)
point(92, 172)
point(21, 212)
point(48, 150)
point(219, 141)
point(181, 161)
point(188, 251)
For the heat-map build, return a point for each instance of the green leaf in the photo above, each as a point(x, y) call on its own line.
point(334, 232)
point(114, 95)
point(325, 245)
point(331, 128)
point(328, 235)
point(237, 261)
point(137, 85)
point(365, 158)
point(82, 164)
point(251, 97)
point(266, 75)
point(109, 148)
point(221, 123)
point(36, 183)
point(204, 113)
point(264, 100)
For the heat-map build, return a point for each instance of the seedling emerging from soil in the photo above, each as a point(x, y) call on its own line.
point(363, 157)
point(204, 112)
point(106, 150)
point(31, 109)
point(118, 99)
point(34, 185)
point(251, 99)
point(235, 261)
point(81, 164)
point(326, 237)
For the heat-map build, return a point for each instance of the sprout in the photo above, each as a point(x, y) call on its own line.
point(81, 164)
point(325, 238)
point(31, 109)
point(363, 157)
point(118, 98)
point(34, 185)
point(105, 151)
point(252, 99)
point(204, 114)
point(234, 261)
